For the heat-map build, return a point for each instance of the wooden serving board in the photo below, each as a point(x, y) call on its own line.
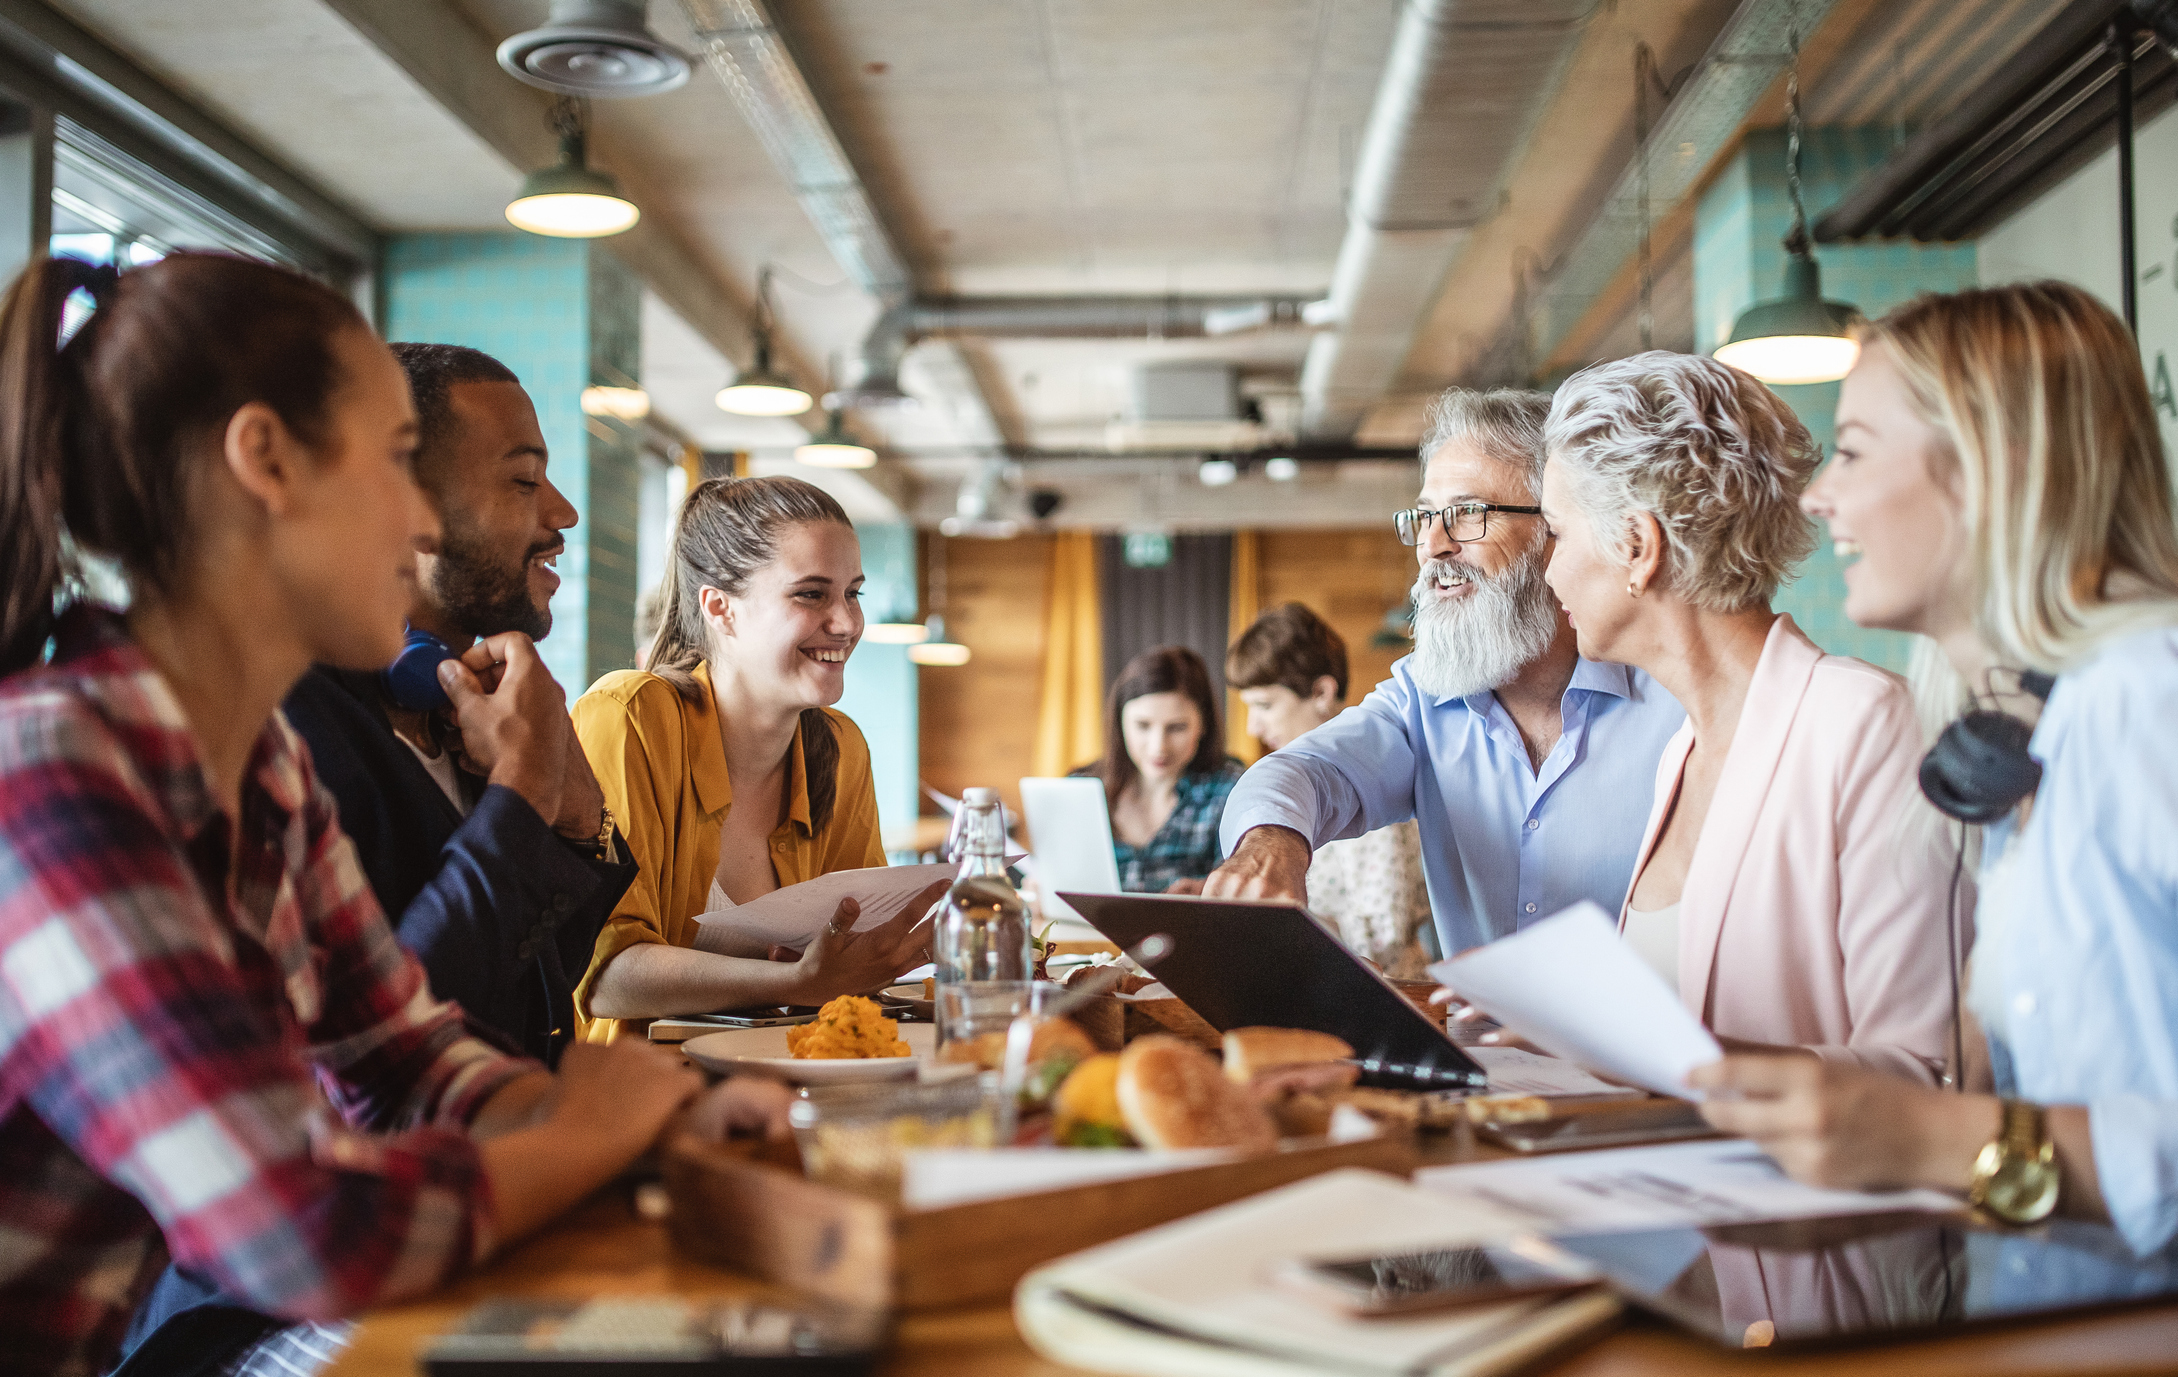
point(764, 1219)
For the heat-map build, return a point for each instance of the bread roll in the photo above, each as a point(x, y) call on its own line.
point(1249, 1052)
point(1173, 1095)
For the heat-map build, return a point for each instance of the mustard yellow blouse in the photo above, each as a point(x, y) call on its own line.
point(662, 767)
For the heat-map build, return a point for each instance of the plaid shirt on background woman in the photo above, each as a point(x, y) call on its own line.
point(172, 1029)
point(1186, 847)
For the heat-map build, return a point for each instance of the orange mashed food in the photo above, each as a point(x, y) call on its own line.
point(849, 1028)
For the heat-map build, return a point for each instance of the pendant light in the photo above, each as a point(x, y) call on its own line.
point(935, 650)
point(570, 201)
point(758, 390)
point(1798, 337)
point(835, 448)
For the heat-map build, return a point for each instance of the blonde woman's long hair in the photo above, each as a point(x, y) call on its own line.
point(2037, 393)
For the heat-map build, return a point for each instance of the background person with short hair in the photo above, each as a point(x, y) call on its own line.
point(1290, 669)
point(1165, 771)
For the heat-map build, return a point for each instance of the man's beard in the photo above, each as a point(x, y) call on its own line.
point(481, 596)
point(1481, 640)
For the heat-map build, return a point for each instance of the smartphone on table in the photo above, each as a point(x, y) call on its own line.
point(1439, 1278)
point(1665, 1121)
point(658, 1336)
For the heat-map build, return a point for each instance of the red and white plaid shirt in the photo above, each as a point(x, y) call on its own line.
point(172, 1030)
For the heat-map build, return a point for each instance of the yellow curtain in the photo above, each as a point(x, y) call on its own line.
point(1247, 601)
point(1070, 715)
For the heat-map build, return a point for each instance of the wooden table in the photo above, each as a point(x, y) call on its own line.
point(604, 1248)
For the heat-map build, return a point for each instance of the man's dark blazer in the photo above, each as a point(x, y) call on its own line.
point(500, 909)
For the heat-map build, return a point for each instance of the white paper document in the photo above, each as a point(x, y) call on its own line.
point(932, 1178)
point(1516, 1072)
point(791, 916)
point(1573, 987)
point(1669, 1186)
point(1209, 1278)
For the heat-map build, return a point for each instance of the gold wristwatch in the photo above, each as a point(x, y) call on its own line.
point(2016, 1175)
point(606, 851)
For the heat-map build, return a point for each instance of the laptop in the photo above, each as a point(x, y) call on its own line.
point(1243, 964)
point(1071, 829)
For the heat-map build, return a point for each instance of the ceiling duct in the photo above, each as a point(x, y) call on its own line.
point(594, 48)
point(2034, 121)
point(874, 379)
point(1702, 120)
point(1463, 83)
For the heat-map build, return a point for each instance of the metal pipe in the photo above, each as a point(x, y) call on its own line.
point(874, 379)
point(2121, 34)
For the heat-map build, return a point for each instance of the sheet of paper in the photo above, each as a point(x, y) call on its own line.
point(1516, 1072)
point(1671, 1185)
point(936, 1177)
point(1574, 988)
point(791, 916)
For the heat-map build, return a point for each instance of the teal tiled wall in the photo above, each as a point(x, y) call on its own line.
point(1739, 259)
point(552, 310)
point(881, 680)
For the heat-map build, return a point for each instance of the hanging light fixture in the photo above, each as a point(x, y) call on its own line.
point(571, 201)
point(835, 448)
point(1798, 337)
point(758, 390)
point(895, 633)
point(935, 649)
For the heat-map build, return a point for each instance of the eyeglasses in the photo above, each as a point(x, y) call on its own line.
point(1463, 521)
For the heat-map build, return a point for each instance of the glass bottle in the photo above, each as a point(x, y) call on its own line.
point(984, 962)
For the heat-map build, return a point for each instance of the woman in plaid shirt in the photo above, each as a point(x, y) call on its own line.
point(1165, 772)
point(211, 1046)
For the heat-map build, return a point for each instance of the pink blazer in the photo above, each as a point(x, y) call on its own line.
point(1813, 912)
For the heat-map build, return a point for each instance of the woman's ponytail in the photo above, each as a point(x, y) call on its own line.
point(37, 386)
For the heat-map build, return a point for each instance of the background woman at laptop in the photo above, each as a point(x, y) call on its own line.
point(1165, 772)
point(2001, 480)
point(1289, 667)
point(1791, 883)
point(727, 768)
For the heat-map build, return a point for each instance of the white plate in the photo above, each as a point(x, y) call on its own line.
point(911, 994)
point(763, 1052)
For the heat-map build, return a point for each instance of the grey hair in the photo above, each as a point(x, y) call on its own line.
point(1717, 458)
point(1504, 423)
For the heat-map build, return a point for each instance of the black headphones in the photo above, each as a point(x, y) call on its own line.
point(1979, 768)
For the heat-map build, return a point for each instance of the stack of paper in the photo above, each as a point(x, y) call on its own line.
point(791, 916)
point(1669, 1186)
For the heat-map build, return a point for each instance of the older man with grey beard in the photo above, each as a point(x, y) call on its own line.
point(1529, 768)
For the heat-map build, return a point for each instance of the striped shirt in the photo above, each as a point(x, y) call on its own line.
point(232, 1063)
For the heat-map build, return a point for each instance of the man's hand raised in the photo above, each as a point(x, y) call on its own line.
point(1270, 863)
point(513, 720)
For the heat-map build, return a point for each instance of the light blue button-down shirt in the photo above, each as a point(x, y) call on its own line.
point(1503, 845)
point(2081, 938)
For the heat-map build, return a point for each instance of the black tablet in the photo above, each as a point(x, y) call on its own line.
point(1824, 1282)
point(1244, 964)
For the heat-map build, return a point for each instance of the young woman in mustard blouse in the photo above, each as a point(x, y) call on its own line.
point(728, 770)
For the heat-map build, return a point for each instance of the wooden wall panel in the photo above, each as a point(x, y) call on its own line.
point(1347, 577)
point(979, 720)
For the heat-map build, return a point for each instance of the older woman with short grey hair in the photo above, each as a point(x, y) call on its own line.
point(1776, 887)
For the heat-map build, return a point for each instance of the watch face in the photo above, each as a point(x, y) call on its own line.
point(2023, 1190)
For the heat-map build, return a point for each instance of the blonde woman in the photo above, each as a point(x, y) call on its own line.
point(1771, 887)
point(2001, 481)
point(727, 768)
